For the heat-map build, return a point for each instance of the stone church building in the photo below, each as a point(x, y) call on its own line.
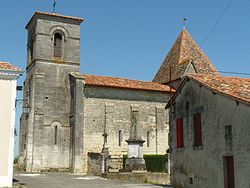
point(69, 116)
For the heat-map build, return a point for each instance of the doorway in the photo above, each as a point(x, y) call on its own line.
point(228, 164)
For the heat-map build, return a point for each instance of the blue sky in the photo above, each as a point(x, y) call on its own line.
point(130, 38)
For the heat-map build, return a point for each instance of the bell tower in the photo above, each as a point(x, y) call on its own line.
point(53, 52)
point(53, 38)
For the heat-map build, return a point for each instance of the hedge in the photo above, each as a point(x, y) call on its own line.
point(154, 163)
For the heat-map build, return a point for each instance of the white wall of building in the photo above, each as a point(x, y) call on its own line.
point(7, 122)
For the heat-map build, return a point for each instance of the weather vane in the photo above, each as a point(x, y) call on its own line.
point(184, 22)
point(54, 6)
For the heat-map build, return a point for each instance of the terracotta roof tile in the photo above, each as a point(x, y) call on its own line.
point(54, 15)
point(107, 81)
point(7, 66)
point(235, 87)
point(184, 50)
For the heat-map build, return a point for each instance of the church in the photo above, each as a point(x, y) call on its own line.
point(69, 116)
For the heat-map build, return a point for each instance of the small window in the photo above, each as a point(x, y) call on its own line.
point(229, 136)
point(31, 50)
point(173, 109)
point(187, 106)
point(179, 133)
point(148, 138)
point(56, 132)
point(191, 180)
point(197, 129)
point(58, 45)
point(228, 131)
point(120, 138)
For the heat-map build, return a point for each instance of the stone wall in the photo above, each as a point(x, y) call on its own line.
point(195, 167)
point(136, 177)
point(107, 110)
point(94, 164)
point(114, 163)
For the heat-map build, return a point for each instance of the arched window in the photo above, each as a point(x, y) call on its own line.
point(55, 137)
point(58, 45)
point(55, 131)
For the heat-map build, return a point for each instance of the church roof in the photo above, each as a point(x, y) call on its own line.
point(53, 15)
point(8, 67)
point(184, 51)
point(233, 87)
point(123, 83)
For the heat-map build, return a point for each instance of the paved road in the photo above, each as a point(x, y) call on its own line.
point(65, 180)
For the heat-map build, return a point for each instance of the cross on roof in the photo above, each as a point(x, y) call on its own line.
point(184, 22)
point(54, 6)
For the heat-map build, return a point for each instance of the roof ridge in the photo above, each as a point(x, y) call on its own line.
point(120, 78)
point(198, 46)
point(227, 87)
point(180, 48)
point(76, 19)
point(123, 83)
point(57, 14)
point(235, 77)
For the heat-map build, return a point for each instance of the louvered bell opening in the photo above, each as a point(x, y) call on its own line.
point(58, 45)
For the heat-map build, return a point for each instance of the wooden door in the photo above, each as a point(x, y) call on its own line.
point(228, 171)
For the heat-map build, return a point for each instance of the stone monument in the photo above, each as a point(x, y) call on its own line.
point(135, 159)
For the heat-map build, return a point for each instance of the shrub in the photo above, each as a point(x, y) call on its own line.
point(154, 163)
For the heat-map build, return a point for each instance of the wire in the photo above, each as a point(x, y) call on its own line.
point(217, 22)
point(227, 72)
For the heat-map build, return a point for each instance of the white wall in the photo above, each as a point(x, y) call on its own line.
point(7, 121)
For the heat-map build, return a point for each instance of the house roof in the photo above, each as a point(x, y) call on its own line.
point(8, 67)
point(233, 87)
point(184, 50)
point(53, 15)
point(123, 83)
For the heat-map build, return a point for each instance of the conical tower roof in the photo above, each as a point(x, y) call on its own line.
point(185, 53)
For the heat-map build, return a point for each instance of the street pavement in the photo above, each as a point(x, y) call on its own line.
point(67, 180)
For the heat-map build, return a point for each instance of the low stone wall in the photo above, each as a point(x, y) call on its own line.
point(160, 178)
point(140, 177)
point(114, 163)
point(94, 164)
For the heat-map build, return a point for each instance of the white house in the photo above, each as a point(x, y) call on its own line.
point(8, 76)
